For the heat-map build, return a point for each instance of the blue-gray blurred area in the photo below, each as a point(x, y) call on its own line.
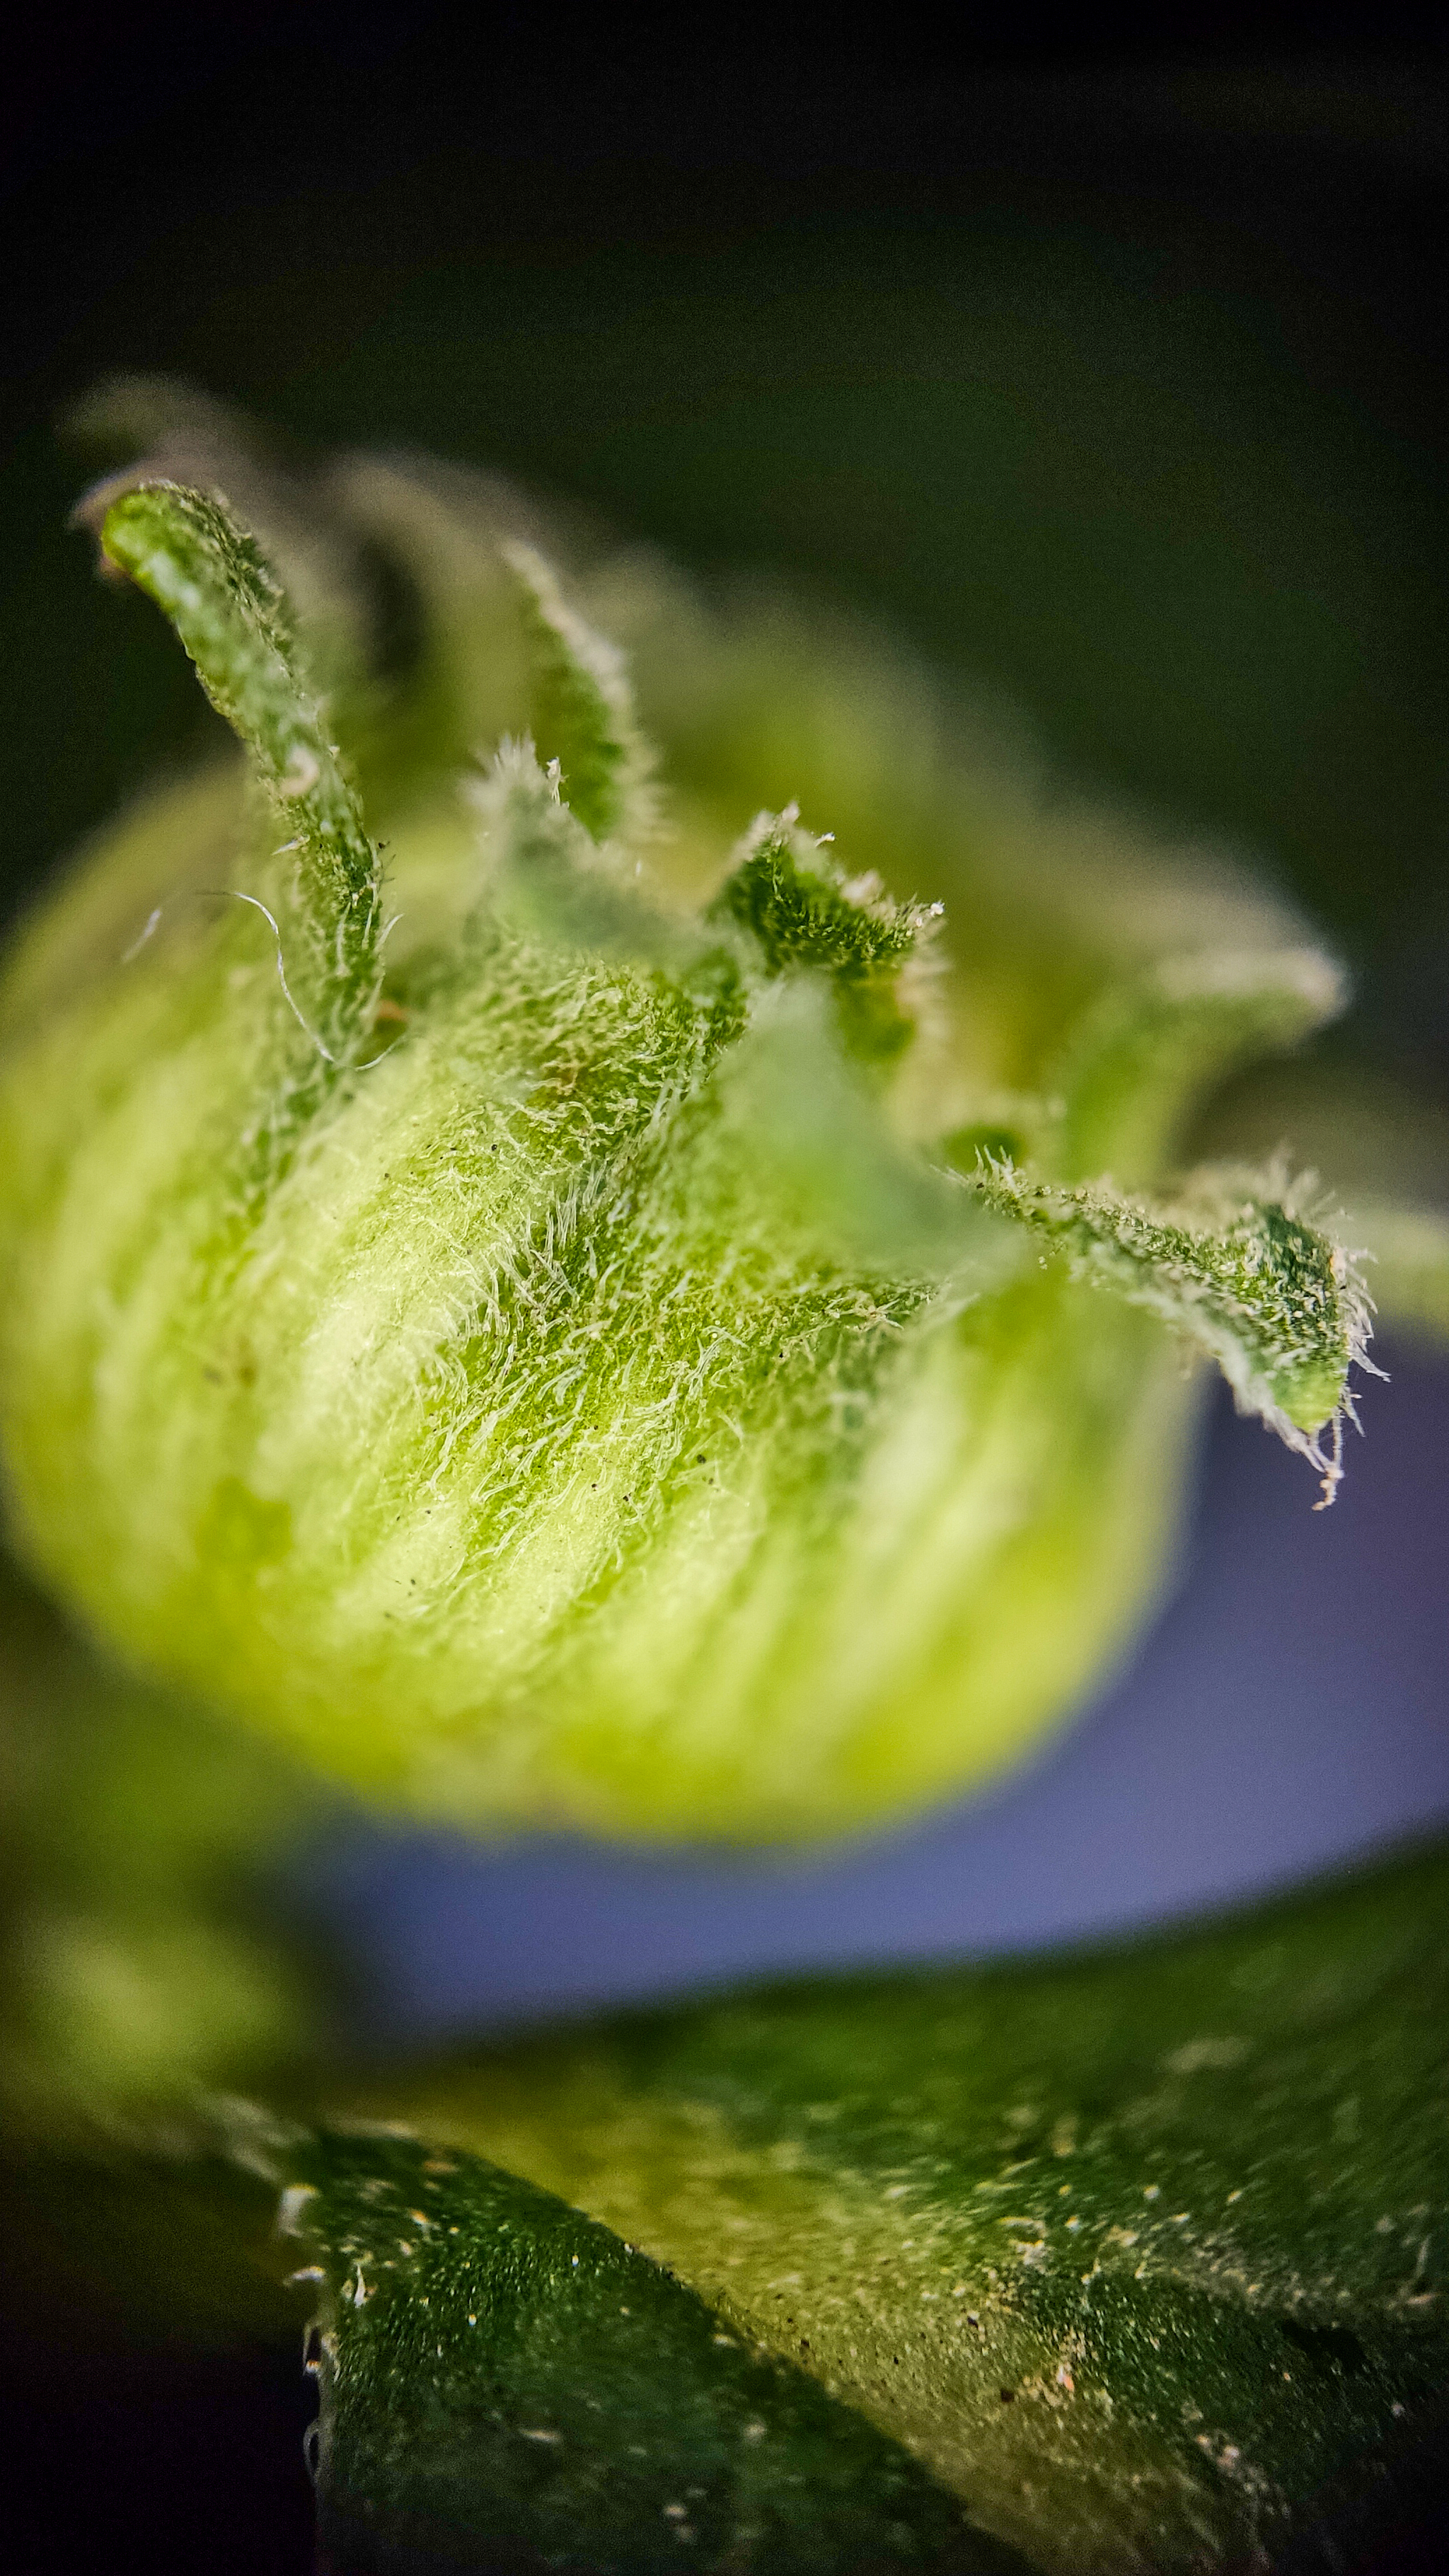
point(1288, 1711)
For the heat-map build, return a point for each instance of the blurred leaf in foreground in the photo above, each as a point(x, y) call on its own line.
point(1139, 2256)
point(1133, 2259)
point(143, 1951)
point(500, 2370)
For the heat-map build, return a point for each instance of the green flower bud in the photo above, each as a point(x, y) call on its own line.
point(563, 1319)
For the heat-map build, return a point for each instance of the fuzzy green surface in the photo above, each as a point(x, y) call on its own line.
point(500, 2373)
point(226, 605)
point(581, 1378)
point(519, 1452)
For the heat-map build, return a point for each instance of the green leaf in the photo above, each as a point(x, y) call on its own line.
point(544, 875)
point(187, 552)
point(1141, 2253)
point(1246, 1278)
point(500, 2373)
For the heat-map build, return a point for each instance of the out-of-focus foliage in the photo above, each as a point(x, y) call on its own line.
point(145, 1948)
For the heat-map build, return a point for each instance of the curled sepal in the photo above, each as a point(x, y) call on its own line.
point(583, 709)
point(802, 913)
point(185, 549)
point(1134, 1069)
point(158, 429)
point(1248, 1278)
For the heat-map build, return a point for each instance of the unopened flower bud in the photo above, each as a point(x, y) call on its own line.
point(564, 1321)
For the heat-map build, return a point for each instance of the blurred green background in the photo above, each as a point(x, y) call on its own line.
point(1117, 383)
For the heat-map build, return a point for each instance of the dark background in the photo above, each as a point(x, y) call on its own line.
point(1115, 374)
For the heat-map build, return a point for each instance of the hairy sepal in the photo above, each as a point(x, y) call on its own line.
point(1242, 1275)
point(156, 429)
point(801, 915)
point(186, 550)
point(583, 709)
